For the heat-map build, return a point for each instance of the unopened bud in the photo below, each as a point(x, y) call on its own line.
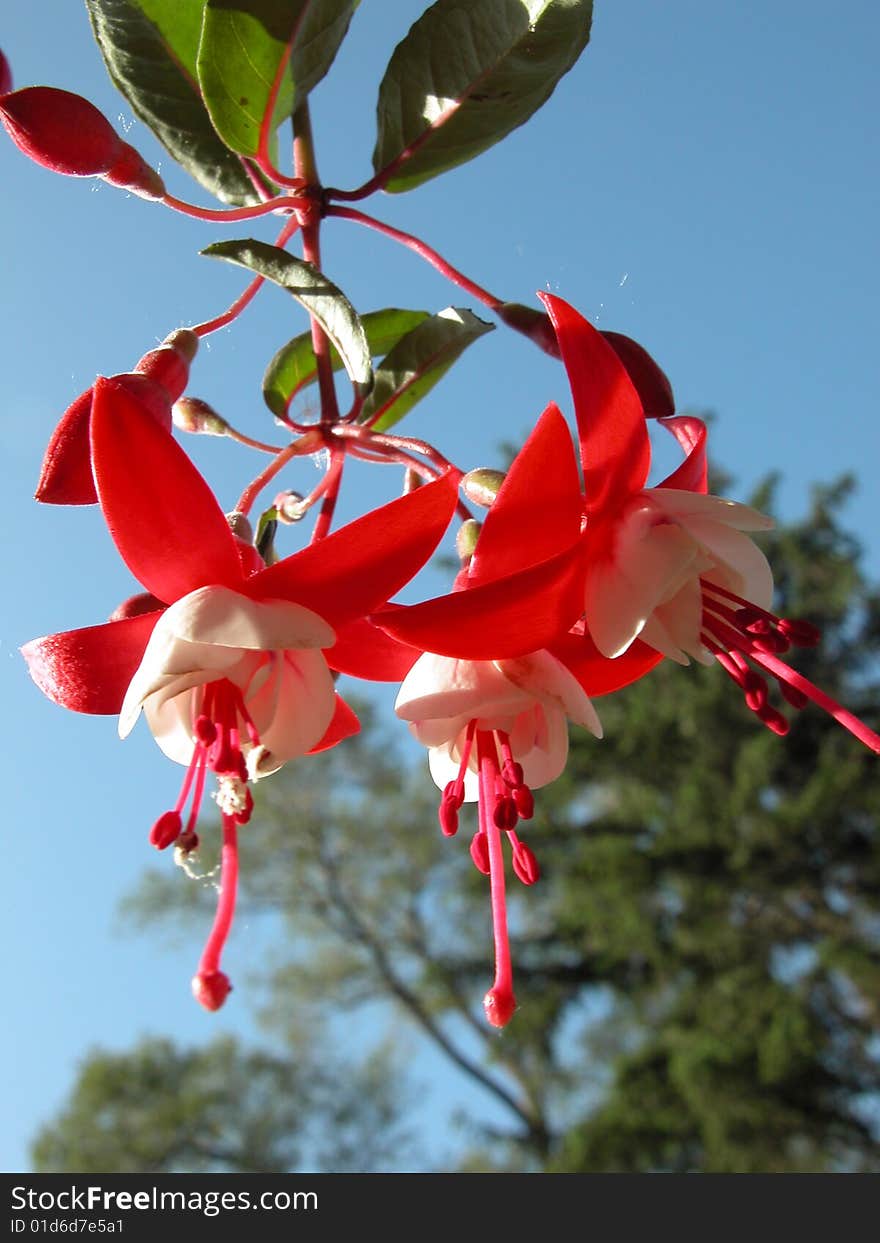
point(411, 480)
point(131, 172)
point(466, 539)
point(168, 365)
point(650, 381)
point(5, 75)
point(289, 507)
point(211, 988)
point(481, 485)
point(61, 131)
point(136, 606)
point(191, 414)
point(532, 324)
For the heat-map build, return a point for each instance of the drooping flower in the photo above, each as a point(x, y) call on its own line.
point(507, 665)
point(671, 565)
point(229, 659)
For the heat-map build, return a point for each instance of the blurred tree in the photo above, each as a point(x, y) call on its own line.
point(219, 1109)
point(698, 970)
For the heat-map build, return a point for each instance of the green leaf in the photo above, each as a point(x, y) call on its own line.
point(311, 288)
point(252, 49)
point(418, 361)
point(149, 48)
point(294, 366)
point(468, 73)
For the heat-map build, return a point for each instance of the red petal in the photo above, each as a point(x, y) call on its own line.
point(691, 434)
point(529, 522)
point(66, 473)
point(498, 620)
point(651, 383)
point(615, 450)
point(364, 651)
point(596, 673)
point(343, 725)
point(89, 670)
point(358, 567)
point(163, 517)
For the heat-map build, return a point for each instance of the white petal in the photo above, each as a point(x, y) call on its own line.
point(541, 676)
point(445, 688)
point(444, 768)
point(219, 616)
point(681, 504)
point(740, 564)
point(294, 706)
point(544, 762)
point(657, 636)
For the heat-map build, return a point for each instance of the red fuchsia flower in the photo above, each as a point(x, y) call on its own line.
point(67, 134)
point(228, 659)
point(671, 565)
point(157, 381)
point(507, 664)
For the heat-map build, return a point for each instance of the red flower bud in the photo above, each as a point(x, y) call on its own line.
point(131, 172)
point(211, 989)
point(61, 131)
point(5, 75)
point(136, 606)
point(651, 384)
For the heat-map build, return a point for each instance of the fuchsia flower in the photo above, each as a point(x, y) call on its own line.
point(229, 659)
point(672, 565)
point(507, 664)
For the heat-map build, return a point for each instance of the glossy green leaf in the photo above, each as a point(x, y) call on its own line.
point(315, 292)
point(418, 361)
point(149, 48)
point(294, 367)
point(466, 75)
point(257, 55)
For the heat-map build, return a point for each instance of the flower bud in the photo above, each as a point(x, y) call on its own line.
point(481, 485)
point(61, 131)
point(168, 365)
point(650, 382)
point(5, 75)
point(289, 507)
point(136, 606)
point(532, 324)
point(240, 526)
point(191, 414)
point(131, 172)
point(466, 539)
point(211, 988)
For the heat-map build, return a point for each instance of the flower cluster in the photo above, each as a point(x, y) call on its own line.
point(580, 580)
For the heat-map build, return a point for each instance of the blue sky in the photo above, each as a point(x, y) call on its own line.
point(705, 180)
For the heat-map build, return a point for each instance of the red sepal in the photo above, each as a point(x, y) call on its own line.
point(691, 433)
point(499, 620)
point(596, 673)
point(344, 724)
point(538, 508)
point(89, 670)
point(163, 517)
point(615, 450)
point(364, 651)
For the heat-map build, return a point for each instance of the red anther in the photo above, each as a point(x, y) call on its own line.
point(512, 773)
point(499, 1005)
point(166, 830)
point(5, 75)
point(136, 606)
point(61, 131)
point(753, 623)
point(447, 814)
point(525, 865)
point(505, 814)
point(205, 730)
point(800, 633)
point(525, 802)
point(131, 172)
point(242, 817)
point(211, 989)
point(480, 853)
point(453, 793)
point(792, 695)
point(774, 720)
point(755, 690)
point(242, 768)
point(221, 759)
point(188, 842)
point(774, 644)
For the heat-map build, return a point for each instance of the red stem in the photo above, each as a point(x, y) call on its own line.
point(231, 214)
point(422, 249)
point(212, 325)
point(332, 480)
point(309, 443)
